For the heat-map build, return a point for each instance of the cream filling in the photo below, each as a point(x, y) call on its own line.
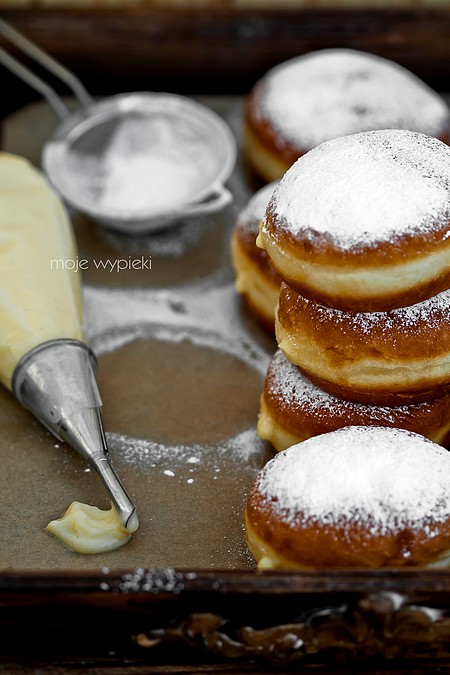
point(268, 429)
point(441, 434)
point(250, 281)
point(264, 161)
point(363, 373)
point(40, 285)
point(443, 561)
point(87, 529)
point(356, 282)
point(268, 559)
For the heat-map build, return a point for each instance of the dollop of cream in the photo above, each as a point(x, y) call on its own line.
point(266, 563)
point(87, 529)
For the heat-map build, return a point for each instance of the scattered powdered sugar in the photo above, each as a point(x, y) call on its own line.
point(250, 217)
point(290, 386)
point(169, 243)
point(165, 580)
point(246, 449)
point(246, 446)
point(204, 314)
point(147, 453)
point(429, 315)
point(384, 478)
point(365, 189)
point(335, 92)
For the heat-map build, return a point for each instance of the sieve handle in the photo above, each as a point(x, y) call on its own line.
point(50, 64)
point(220, 198)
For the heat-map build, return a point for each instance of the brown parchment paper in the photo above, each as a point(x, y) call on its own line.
point(181, 366)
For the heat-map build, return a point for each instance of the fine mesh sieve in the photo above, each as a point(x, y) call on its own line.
point(133, 162)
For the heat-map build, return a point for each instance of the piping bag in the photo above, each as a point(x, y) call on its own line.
point(44, 360)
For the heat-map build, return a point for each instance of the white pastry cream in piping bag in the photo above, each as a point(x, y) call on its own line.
point(43, 358)
point(40, 299)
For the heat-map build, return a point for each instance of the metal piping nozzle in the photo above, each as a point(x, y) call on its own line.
point(56, 382)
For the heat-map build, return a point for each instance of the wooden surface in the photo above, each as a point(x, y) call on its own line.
point(211, 620)
point(201, 668)
point(223, 51)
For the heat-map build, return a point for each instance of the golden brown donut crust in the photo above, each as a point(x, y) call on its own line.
point(246, 241)
point(341, 342)
point(409, 246)
point(342, 335)
point(309, 544)
point(256, 281)
point(320, 414)
point(331, 93)
point(385, 259)
point(357, 497)
point(361, 222)
point(260, 132)
point(262, 139)
point(269, 154)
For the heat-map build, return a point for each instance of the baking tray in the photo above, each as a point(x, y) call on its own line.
point(181, 366)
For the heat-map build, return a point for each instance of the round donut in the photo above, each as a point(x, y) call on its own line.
point(362, 223)
point(293, 409)
point(356, 497)
point(256, 280)
point(330, 93)
point(381, 358)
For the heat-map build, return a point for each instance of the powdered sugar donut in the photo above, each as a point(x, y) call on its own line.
point(356, 497)
point(330, 93)
point(362, 223)
point(256, 279)
point(294, 409)
point(383, 358)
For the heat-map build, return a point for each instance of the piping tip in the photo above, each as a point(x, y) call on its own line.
point(56, 382)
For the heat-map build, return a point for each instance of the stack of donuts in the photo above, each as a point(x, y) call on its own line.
point(356, 238)
point(307, 101)
point(359, 232)
point(353, 248)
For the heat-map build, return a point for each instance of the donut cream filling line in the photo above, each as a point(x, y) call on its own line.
point(369, 281)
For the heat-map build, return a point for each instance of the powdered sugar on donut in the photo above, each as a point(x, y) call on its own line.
point(429, 315)
point(366, 189)
point(287, 384)
point(250, 217)
point(335, 92)
point(387, 479)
